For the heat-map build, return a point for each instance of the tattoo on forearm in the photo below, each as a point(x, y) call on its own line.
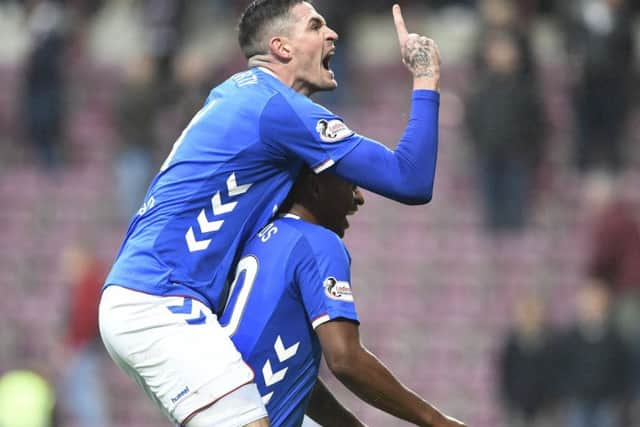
point(421, 58)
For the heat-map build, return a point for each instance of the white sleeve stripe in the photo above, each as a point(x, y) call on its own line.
point(320, 320)
point(323, 166)
point(308, 422)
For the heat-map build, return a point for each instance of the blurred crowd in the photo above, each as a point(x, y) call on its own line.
point(585, 374)
point(505, 116)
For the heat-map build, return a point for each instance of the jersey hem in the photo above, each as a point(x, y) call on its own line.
point(179, 291)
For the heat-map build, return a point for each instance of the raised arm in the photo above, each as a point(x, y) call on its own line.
point(407, 173)
point(361, 372)
point(327, 411)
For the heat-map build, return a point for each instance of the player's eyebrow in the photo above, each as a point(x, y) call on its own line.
point(316, 21)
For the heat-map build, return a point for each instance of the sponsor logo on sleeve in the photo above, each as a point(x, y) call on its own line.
point(332, 130)
point(338, 290)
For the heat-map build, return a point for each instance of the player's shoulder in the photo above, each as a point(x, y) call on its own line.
point(260, 90)
point(303, 105)
point(319, 240)
point(251, 86)
point(280, 236)
point(283, 95)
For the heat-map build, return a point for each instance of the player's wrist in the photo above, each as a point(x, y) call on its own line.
point(432, 417)
point(428, 83)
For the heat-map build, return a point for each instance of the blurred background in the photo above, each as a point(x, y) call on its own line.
point(512, 299)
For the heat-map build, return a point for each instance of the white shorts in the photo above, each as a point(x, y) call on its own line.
point(176, 350)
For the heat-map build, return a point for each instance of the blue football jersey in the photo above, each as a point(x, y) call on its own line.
point(292, 277)
point(225, 177)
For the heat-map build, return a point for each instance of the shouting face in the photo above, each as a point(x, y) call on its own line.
point(312, 45)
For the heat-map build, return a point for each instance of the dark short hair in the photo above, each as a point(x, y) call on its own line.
point(255, 19)
point(299, 191)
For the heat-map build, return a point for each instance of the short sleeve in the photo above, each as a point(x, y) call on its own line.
point(324, 280)
point(301, 128)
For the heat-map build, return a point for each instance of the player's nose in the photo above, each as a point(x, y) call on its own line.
point(358, 197)
point(331, 34)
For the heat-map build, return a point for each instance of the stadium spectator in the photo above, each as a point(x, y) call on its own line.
point(600, 43)
point(614, 256)
point(135, 112)
point(506, 123)
point(83, 391)
point(293, 289)
point(232, 166)
point(44, 83)
point(526, 367)
point(164, 32)
point(193, 77)
point(596, 363)
point(505, 16)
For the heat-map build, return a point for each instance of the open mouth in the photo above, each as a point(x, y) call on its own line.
point(327, 60)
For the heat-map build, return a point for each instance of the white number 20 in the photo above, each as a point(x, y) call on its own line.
point(249, 266)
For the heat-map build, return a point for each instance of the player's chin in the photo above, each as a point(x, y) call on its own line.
point(333, 83)
point(329, 81)
point(343, 228)
point(328, 85)
point(338, 227)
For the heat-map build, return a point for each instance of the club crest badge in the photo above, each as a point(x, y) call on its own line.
point(332, 130)
point(338, 290)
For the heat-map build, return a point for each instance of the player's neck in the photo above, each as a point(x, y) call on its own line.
point(267, 65)
point(280, 72)
point(303, 213)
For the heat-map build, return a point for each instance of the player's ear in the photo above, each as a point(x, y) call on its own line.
point(280, 48)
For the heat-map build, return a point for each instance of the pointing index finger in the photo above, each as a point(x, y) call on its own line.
point(401, 28)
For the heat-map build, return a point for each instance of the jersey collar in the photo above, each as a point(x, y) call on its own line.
point(268, 71)
point(290, 215)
